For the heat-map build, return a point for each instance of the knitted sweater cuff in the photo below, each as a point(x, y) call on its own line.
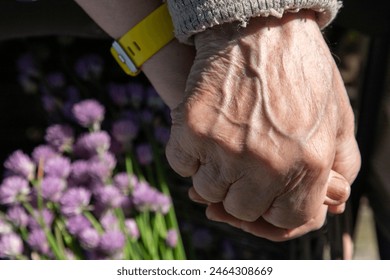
point(194, 16)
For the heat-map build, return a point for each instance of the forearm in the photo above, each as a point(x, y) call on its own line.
point(116, 17)
point(168, 69)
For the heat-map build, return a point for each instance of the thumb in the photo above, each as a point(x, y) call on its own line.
point(337, 193)
point(347, 161)
point(344, 171)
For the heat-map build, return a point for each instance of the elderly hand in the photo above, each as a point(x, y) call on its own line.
point(266, 129)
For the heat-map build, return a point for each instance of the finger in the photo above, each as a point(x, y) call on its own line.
point(194, 196)
point(337, 209)
point(344, 171)
point(347, 159)
point(210, 183)
point(216, 212)
point(181, 161)
point(248, 199)
point(262, 228)
point(338, 190)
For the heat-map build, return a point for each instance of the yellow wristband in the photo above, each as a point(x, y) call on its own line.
point(143, 40)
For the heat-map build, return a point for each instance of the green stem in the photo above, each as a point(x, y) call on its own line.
point(95, 223)
point(58, 237)
point(135, 167)
point(129, 165)
point(170, 218)
point(143, 222)
point(20, 257)
point(23, 233)
point(37, 185)
point(128, 250)
point(59, 254)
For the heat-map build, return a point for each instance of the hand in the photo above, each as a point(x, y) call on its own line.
point(266, 129)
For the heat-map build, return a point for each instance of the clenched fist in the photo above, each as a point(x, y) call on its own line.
point(266, 130)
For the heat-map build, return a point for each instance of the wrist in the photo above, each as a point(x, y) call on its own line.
point(257, 27)
point(168, 70)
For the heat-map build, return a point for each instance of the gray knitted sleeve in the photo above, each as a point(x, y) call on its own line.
point(193, 16)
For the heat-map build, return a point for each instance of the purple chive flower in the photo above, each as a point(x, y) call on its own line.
point(147, 198)
point(46, 215)
point(76, 224)
point(94, 143)
point(89, 238)
point(112, 242)
point(171, 238)
point(101, 166)
point(74, 201)
point(14, 190)
point(98, 170)
point(144, 154)
point(95, 185)
point(18, 163)
point(136, 92)
point(132, 228)
point(43, 153)
point(89, 113)
point(52, 188)
point(5, 227)
point(107, 158)
point(69, 255)
point(38, 242)
point(109, 221)
point(125, 182)
point(162, 203)
point(57, 167)
point(118, 94)
point(79, 174)
point(124, 131)
point(89, 66)
point(110, 196)
point(18, 216)
point(56, 80)
point(143, 196)
point(162, 134)
point(60, 137)
point(11, 245)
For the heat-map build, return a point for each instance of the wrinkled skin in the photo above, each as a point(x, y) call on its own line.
point(266, 130)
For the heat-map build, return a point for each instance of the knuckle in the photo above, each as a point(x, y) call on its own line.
point(180, 161)
point(243, 213)
point(209, 183)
